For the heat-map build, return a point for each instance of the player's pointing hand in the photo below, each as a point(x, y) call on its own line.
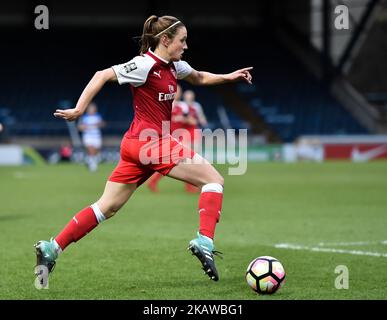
point(241, 74)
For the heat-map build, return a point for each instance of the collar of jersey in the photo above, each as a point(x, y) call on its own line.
point(154, 55)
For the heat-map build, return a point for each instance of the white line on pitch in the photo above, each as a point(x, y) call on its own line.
point(318, 249)
point(356, 243)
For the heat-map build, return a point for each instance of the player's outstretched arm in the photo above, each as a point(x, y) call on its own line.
point(93, 87)
point(205, 78)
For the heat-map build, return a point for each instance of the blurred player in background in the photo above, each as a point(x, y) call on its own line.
point(90, 125)
point(195, 108)
point(153, 80)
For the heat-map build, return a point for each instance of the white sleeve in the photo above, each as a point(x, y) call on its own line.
point(183, 69)
point(135, 71)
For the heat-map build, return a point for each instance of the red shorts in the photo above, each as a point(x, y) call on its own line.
point(140, 159)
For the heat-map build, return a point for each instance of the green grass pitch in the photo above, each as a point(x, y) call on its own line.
point(335, 212)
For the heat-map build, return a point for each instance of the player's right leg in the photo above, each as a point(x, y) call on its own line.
point(114, 197)
point(201, 173)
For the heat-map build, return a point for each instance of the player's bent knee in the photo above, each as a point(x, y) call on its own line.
point(109, 210)
point(112, 211)
point(218, 179)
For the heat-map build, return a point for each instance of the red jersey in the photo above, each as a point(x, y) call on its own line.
point(153, 82)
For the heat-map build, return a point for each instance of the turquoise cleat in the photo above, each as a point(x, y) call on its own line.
point(46, 254)
point(203, 249)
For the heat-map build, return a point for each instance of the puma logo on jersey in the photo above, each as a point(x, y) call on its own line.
point(157, 73)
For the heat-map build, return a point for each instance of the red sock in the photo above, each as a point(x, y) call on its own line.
point(80, 225)
point(210, 205)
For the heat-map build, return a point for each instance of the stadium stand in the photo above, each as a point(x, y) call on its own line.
point(284, 94)
point(289, 98)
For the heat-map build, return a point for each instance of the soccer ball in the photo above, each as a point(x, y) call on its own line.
point(265, 274)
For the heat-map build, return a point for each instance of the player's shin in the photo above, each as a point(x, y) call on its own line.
point(80, 225)
point(210, 206)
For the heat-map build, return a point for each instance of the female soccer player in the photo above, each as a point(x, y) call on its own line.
point(152, 77)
